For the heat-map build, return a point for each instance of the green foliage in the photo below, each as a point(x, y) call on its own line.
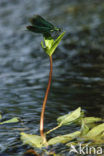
point(32, 140)
point(63, 138)
point(50, 44)
point(89, 128)
point(42, 26)
point(96, 131)
point(94, 135)
point(69, 118)
point(88, 120)
point(13, 120)
point(84, 128)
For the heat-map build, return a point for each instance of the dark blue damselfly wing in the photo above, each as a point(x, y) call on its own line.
point(40, 25)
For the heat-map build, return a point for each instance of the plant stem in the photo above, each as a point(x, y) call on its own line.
point(53, 129)
point(44, 103)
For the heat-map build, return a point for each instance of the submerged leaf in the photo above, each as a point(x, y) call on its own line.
point(64, 138)
point(32, 140)
point(69, 118)
point(13, 120)
point(96, 131)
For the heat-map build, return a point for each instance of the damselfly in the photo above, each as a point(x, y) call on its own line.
point(40, 25)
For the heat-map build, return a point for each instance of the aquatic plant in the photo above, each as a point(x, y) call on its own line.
point(40, 25)
point(90, 134)
point(91, 129)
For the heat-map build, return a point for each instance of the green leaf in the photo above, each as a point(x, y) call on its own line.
point(89, 120)
point(48, 42)
point(42, 45)
point(32, 140)
point(55, 44)
point(64, 138)
point(69, 118)
point(0, 116)
point(99, 139)
point(44, 48)
point(84, 128)
point(13, 120)
point(95, 131)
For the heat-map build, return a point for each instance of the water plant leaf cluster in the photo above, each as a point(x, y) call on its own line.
point(91, 129)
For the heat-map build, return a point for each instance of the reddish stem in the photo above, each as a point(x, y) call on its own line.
point(44, 103)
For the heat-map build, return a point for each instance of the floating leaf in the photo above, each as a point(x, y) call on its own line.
point(69, 118)
point(84, 128)
point(32, 140)
point(89, 120)
point(13, 120)
point(64, 138)
point(96, 131)
point(0, 116)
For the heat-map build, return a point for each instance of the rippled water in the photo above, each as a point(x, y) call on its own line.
point(78, 69)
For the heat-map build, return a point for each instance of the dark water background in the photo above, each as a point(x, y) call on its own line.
point(78, 66)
